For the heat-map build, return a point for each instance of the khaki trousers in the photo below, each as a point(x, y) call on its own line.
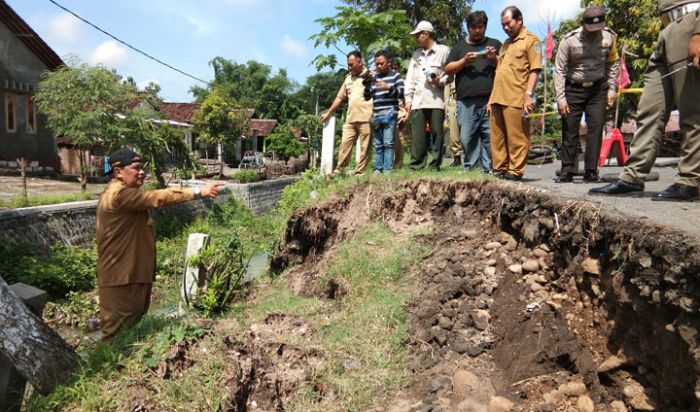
point(122, 306)
point(399, 146)
point(352, 132)
point(453, 138)
point(510, 139)
point(681, 90)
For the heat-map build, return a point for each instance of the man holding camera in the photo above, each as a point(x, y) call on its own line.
point(474, 62)
point(359, 113)
point(585, 82)
point(425, 97)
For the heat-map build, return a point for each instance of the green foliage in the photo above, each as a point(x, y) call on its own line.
point(75, 310)
point(153, 354)
point(248, 176)
point(321, 88)
point(68, 268)
point(284, 142)
point(44, 200)
point(365, 30)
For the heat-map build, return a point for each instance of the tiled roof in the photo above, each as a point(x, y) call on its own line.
point(180, 112)
point(263, 127)
point(29, 37)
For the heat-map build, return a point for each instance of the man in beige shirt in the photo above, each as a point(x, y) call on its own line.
point(359, 113)
point(126, 240)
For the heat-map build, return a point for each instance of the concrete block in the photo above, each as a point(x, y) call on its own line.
point(194, 276)
point(33, 297)
point(3, 163)
point(34, 164)
point(328, 146)
point(13, 165)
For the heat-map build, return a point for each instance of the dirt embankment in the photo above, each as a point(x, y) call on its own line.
point(527, 302)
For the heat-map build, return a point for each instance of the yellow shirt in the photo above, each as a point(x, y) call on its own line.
point(126, 238)
point(352, 90)
point(516, 59)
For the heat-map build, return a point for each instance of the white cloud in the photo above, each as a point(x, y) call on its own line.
point(109, 53)
point(293, 47)
point(536, 11)
point(64, 28)
point(143, 83)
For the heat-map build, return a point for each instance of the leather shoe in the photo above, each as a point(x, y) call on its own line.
point(591, 176)
point(564, 178)
point(619, 187)
point(511, 177)
point(678, 192)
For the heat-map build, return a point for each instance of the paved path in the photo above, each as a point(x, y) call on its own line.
point(679, 215)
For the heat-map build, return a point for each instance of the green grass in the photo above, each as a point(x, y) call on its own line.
point(30, 201)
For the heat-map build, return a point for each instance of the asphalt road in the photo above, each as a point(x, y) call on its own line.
point(684, 216)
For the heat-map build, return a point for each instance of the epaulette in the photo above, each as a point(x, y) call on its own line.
point(572, 33)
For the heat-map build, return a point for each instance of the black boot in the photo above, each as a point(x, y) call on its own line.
point(564, 177)
point(619, 187)
point(591, 176)
point(679, 193)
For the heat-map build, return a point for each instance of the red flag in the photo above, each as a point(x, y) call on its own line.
point(623, 76)
point(549, 43)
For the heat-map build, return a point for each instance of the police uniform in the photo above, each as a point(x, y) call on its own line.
point(510, 130)
point(681, 90)
point(585, 73)
point(356, 123)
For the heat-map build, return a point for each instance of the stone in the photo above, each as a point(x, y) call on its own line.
point(618, 406)
point(611, 363)
point(544, 247)
point(636, 398)
point(460, 346)
point(444, 322)
point(492, 245)
point(584, 404)
point(591, 266)
point(489, 271)
point(531, 265)
point(543, 263)
point(464, 383)
point(553, 396)
point(481, 319)
point(539, 253)
point(535, 287)
point(573, 388)
point(500, 404)
point(491, 262)
point(656, 296)
point(516, 268)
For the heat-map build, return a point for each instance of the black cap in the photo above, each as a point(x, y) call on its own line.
point(594, 18)
point(122, 158)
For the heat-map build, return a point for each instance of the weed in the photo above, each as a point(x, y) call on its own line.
point(31, 201)
point(248, 176)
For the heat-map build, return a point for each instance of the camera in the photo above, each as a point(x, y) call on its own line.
point(481, 54)
point(367, 81)
point(429, 74)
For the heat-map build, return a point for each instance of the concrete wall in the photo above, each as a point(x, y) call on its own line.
point(20, 73)
point(74, 223)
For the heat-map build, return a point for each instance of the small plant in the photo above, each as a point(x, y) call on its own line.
point(172, 334)
point(31, 201)
point(248, 176)
point(76, 310)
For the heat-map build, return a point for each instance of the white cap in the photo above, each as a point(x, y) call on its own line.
point(423, 26)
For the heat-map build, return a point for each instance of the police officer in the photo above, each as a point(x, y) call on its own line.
point(584, 82)
point(677, 44)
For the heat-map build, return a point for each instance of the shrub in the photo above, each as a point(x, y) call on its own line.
point(248, 176)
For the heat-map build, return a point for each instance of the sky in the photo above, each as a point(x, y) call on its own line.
point(187, 34)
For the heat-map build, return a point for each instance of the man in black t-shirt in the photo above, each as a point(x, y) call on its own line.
point(474, 61)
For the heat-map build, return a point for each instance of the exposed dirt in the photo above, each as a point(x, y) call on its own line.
point(527, 302)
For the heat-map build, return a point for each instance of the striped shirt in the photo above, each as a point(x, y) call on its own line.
point(386, 99)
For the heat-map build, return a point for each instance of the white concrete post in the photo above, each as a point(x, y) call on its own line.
point(328, 146)
point(193, 274)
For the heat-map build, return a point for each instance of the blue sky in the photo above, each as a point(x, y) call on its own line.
point(188, 34)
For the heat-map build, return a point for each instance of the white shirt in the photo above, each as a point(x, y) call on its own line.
point(419, 93)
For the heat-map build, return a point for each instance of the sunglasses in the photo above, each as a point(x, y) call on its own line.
point(594, 20)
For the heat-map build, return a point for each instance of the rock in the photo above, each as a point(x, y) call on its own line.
point(584, 404)
point(573, 388)
point(500, 404)
point(618, 406)
point(489, 271)
point(492, 245)
point(591, 266)
point(544, 247)
point(611, 363)
point(444, 322)
point(636, 398)
point(539, 253)
point(516, 268)
point(543, 263)
point(481, 319)
point(656, 296)
point(464, 382)
point(531, 265)
point(460, 346)
point(469, 233)
point(542, 295)
point(553, 396)
point(535, 287)
point(476, 350)
point(491, 262)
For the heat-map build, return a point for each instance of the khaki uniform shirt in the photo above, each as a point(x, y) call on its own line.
point(126, 239)
point(665, 5)
point(352, 90)
point(516, 60)
point(419, 93)
point(583, 59)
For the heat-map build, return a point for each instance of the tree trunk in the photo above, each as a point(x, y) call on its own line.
point(221, 159)
point(23, 172)
point(34, 349)
point(83, 172)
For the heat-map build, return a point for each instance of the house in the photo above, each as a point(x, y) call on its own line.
point(24, 56)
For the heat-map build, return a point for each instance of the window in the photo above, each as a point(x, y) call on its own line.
point(11, 112)
point(31, 114)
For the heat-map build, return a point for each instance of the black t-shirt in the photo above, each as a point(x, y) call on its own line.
point(475, 79)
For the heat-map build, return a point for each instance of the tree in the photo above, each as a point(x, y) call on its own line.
point(220, 121)
point(84, 103)
point(364, 30)
point(447, 16)
point(283, 141)
point(310, 125)
point(319, 90)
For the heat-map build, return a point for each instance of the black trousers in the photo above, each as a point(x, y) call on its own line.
point(592, 101)
point(422, 142)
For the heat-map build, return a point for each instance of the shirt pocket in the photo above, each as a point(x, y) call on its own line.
point(577, 52)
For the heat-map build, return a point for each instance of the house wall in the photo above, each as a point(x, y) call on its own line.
point(20, 73)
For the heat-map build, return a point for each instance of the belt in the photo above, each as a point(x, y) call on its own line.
point(669, 16)
point(585, 85)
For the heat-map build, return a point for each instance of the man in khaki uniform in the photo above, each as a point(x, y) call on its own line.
point(519, 64)
point(585, 81)
point(454, 143)
point(126, 240)
point(359, 114)
point(678, 43)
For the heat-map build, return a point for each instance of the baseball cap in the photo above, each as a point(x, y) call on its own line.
point(594, 18)
point(423, 26)
point(120, 158)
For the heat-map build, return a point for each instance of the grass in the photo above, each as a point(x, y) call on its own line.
point(30, 201)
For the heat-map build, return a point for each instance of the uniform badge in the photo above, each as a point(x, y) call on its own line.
point(538, 49)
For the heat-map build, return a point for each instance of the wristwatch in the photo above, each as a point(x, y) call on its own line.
point(197, 193)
